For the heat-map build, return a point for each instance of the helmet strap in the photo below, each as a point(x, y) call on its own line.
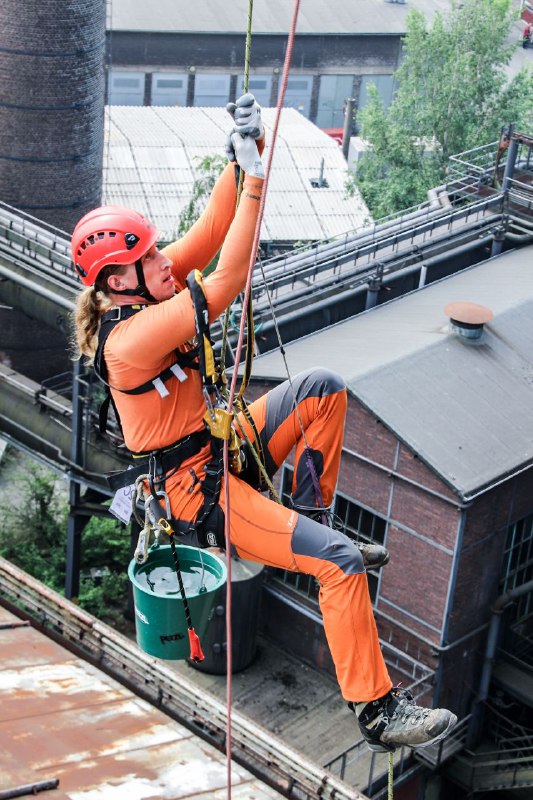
point(141, 290)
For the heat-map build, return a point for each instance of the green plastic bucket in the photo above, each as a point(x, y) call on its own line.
point(159, 614)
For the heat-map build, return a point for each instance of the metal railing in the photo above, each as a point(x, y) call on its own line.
point(28, 236)
point(504, 768)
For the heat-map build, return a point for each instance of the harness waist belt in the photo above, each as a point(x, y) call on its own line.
point(165, 459)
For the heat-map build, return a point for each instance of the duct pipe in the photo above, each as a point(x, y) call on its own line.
point(29, 788)
point(352, 272)
point(366, 239)
point(298, 314)
point(510, 164)
point(438, 197)
point(348, 125)
point(502, 602)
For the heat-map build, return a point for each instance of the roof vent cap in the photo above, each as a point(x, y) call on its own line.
point(468, 319)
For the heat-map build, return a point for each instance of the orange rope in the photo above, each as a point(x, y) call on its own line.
point(238, 353)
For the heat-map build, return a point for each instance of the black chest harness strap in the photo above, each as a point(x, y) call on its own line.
point(160, 464)
point(183, 360)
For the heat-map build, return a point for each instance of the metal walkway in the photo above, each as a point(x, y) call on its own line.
point(322, 282)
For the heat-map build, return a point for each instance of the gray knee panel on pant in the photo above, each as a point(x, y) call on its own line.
point(310, 538)
point(318, 382)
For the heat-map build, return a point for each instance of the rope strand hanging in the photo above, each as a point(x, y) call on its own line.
point(238, 352)
point(229, 629)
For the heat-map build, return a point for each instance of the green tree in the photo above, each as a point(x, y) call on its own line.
point(33, 535)
point(453, 93)
point(207, 172)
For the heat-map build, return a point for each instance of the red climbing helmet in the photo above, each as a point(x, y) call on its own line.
point(110, 235)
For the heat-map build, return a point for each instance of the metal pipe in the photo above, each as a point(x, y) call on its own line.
point(519, 238)
point(510, 163)
point(498, 607)
point(367, 236)
point(348, 125)
point(29, 788)
point(450, 598)
point(67, 305)
point(335, 299)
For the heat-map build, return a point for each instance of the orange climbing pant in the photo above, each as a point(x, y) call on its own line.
point(264, 531)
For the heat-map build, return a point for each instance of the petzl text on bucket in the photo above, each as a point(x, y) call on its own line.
point(159, 613)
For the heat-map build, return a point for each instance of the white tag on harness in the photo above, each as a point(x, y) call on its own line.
point(178, 372)
point(161, 388)
point(121, 505)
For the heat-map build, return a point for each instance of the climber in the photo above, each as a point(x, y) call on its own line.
point(136, 321)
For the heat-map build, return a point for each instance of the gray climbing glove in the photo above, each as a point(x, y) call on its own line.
point(246, 113)
point(243, 149)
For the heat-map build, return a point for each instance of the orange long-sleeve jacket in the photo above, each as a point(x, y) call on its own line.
point(142, 346)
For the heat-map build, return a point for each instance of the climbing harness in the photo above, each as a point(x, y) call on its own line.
point(183, 359)
point(217, 417)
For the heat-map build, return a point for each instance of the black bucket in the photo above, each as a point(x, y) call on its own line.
point(246, 586)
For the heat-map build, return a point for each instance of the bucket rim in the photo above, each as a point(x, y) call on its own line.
point(209, 557)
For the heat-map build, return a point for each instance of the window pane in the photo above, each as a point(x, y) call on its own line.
point(357, 522)
point(518, 562)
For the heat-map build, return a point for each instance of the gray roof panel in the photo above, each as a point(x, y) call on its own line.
point(152, 152)
point(274, 17)
point(466, 409)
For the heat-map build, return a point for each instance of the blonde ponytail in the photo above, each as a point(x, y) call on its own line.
point(91, 305)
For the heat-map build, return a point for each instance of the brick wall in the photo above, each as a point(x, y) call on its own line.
point(52, 111)
point(446, 555)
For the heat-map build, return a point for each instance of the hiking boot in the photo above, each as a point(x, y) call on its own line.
point(396, 721)
point(374, 555)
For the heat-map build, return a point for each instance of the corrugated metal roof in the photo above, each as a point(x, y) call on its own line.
point(210, 16)
point(151, 154)
point(64, 719)
point(466, 409)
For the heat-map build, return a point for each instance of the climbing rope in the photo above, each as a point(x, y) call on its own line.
point(229, 628)
point(240, 182)
point(238, 352)
point(391, 777)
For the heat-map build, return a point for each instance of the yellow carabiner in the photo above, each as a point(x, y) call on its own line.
point(164, 525)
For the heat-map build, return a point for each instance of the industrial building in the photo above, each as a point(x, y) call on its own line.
point(427, 316)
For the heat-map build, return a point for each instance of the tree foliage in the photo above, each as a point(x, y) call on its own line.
point(208, 170)
point(453, 93)
point(33, 535)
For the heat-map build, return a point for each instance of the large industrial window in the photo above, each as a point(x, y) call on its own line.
point(298, 94)
point(334, 90)
point(169, 89)
point(126, 88)
point(355, 521)
point(211, 89)
point(518, 564)
point(259, 85)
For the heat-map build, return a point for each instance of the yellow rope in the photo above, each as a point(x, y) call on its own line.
point(247, 59)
